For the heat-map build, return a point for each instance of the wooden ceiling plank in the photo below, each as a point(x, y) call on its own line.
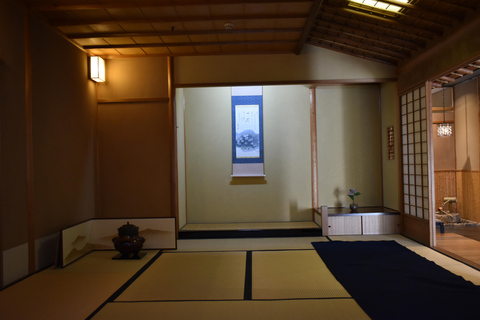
point(178, 33)
point(399, 34)
point(417, 7)
point(457, 5)
point(404, 43)
point(367, 54)
point(431, 34)
point(384, 44)
point(361, 45)
point(308, 25)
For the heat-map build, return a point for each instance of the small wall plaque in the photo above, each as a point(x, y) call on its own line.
point(390, 143)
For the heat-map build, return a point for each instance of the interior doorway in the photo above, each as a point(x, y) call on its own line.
point(455, 105)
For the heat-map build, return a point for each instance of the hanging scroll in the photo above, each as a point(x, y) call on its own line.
point(247, 132)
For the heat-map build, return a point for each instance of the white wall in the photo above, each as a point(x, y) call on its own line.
point(349, 145)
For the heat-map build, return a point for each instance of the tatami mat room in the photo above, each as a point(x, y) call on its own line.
point(254, 278)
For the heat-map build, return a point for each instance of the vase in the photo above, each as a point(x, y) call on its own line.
point(353, 207)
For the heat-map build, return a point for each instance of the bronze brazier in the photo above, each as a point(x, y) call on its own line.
point(128, 242)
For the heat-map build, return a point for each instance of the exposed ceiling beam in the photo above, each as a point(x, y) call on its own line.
point(184, 44)
point(177, 33)
point(464, 70)
point(308, 25)
point(179, 19)
point(47, 6)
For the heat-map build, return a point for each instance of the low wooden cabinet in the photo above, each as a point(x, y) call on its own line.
point(344, 225)
point(368, 220)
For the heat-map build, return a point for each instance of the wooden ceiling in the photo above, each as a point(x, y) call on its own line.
point(216, 27)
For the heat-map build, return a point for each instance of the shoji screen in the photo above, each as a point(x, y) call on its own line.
point(415, 153)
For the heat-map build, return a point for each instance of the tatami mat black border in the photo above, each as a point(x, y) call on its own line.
point(225, 234)
point(117, 293)
point(248, 277)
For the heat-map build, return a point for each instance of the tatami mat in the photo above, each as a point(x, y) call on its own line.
point(292, 275)
point(330, 309)
point(247, 244)
point(191, 276)
point(70, 293)
point(101, 261)
point(250, 226)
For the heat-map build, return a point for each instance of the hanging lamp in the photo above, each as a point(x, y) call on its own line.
point(444, 129)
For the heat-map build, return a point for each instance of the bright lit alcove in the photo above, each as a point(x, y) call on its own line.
point(208, 193)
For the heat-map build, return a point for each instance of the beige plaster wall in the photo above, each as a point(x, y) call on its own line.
point(443, 147)
point(391, 173)
point(349, 144)
point(312, 64)
point(213, 196)
point(466, 126)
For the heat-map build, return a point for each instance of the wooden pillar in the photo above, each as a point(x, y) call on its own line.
point(313, 147)
point(29, 145)
point(173, 144)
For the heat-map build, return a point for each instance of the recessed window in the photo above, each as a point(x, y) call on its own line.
point(380, 5)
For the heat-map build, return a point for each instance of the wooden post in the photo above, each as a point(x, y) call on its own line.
point(324, 213)
point(173, 145)
point(313, 147)
point(29, 145)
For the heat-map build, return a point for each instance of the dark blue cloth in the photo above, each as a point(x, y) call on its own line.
point(389, 281)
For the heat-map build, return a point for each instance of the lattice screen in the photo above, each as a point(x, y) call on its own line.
point(415, 153)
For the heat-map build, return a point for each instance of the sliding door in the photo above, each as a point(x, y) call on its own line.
point(416, 155)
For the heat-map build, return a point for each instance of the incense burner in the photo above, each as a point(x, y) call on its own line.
point(128, 242)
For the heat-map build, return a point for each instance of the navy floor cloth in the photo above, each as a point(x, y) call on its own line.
point(389, 281)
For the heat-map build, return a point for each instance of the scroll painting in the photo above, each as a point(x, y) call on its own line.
point(247, 132)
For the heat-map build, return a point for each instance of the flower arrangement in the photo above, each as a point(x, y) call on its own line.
point(352, 193)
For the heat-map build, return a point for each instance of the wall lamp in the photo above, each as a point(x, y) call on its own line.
point(97, 69)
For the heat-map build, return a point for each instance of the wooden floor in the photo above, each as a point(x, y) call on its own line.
point(462, 243)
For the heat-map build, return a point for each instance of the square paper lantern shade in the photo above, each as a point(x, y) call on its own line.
point(97, 69)
point(444, 130)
